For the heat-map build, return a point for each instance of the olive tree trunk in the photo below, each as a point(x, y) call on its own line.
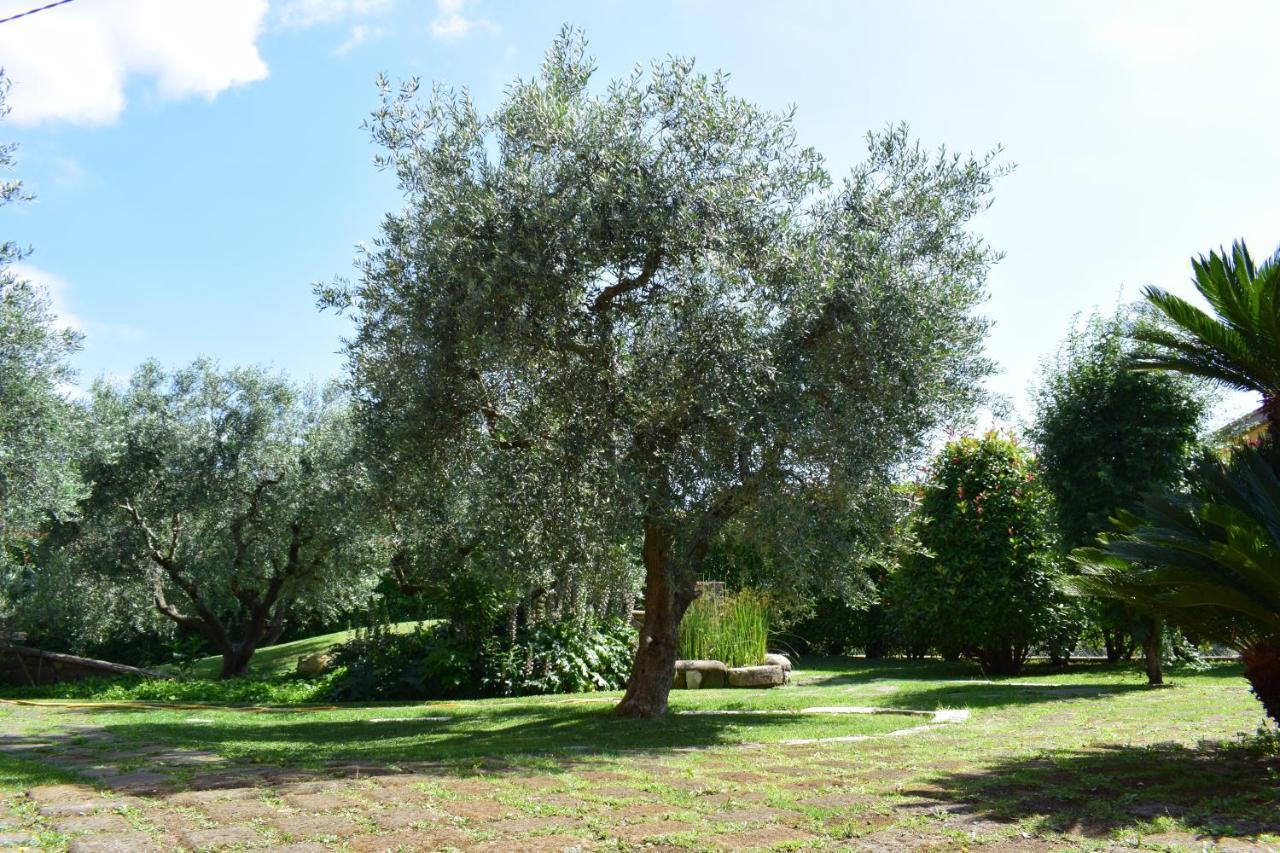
point(665, 601)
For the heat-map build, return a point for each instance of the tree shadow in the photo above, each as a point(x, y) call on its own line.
point(134, 750)
point(1223, 788)
point(832, 671)
point(988, 695)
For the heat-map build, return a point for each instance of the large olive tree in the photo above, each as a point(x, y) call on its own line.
point(230, 498)
point(648, 306)
point(36, 420)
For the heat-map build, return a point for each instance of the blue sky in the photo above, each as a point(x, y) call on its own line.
point(199, 163)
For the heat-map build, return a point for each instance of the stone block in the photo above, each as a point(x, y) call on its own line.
point(775, 659)
point(313, 665)
point(702, 674)
point(756, 676)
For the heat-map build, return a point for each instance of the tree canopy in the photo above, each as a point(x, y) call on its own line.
point(231, 499)
point(1106, 435)
point(36, 421)
point(638, 312)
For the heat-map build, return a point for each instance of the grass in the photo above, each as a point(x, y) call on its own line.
point(282, 660)
point(1089, 759)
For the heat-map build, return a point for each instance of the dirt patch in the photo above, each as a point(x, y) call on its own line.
point(839, 801)
point(104, 823)
point(522, 825)
point(603, 776)
point(168, 820)
point(223, 836)
point(409, 817)
point(389, 796)
point(538, 783)
point(731, 798)
point(562, 801)
point(617, 792)
point(478, 811)
point(433, 839)
point(763, 838)
point(638, 812)
point(755, 814)
point(638, 832)
point(239, 811)
point(541, 844)
point(80, 807)
point(124, 842)
point(139, 783)
point(694, 786)
point(469, 787)
point(314, 802)
point(901, 840)
point(859, 824)
point(313, 826)
point(747, 777)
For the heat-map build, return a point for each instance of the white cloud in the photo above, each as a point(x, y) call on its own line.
point(60, 303)
point(73, 63)
point(450, 21)
point(360, 34)
point(57, 288)
point(307, 13)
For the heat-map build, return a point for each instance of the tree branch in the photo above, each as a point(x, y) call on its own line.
point(625, 285)
point(251, 516)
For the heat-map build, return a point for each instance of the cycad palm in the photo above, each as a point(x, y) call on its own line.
point(1238, 345)
point(1208, 561)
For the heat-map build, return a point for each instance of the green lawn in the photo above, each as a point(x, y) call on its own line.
point(1090, 759)
point(275, 661)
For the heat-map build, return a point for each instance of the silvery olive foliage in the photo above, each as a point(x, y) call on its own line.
point(230, 499)
point(37, 423)
point(634, 311)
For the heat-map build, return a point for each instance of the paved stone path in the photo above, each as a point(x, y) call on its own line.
point(156, 798)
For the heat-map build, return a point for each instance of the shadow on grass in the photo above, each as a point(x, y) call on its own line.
point(273, 746)
point(824, 671)
point(980, 695)
point(18, 773)
point(1216, 789)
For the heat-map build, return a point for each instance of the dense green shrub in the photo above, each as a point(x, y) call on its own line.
point(238, 691)
point(440, 662)
point(833, 628)
point(984, 583)
point(560, 657)
point(429, 662)
point(733, 629)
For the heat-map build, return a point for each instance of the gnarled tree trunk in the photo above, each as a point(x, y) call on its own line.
point(1262, 668)
point(665, 600)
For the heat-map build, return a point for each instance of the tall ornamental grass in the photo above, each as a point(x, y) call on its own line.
point(733, 629)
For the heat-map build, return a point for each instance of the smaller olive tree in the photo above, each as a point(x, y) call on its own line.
point(232, 498)
point(983, 583)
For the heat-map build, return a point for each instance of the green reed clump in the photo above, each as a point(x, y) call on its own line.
point(733, 629)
